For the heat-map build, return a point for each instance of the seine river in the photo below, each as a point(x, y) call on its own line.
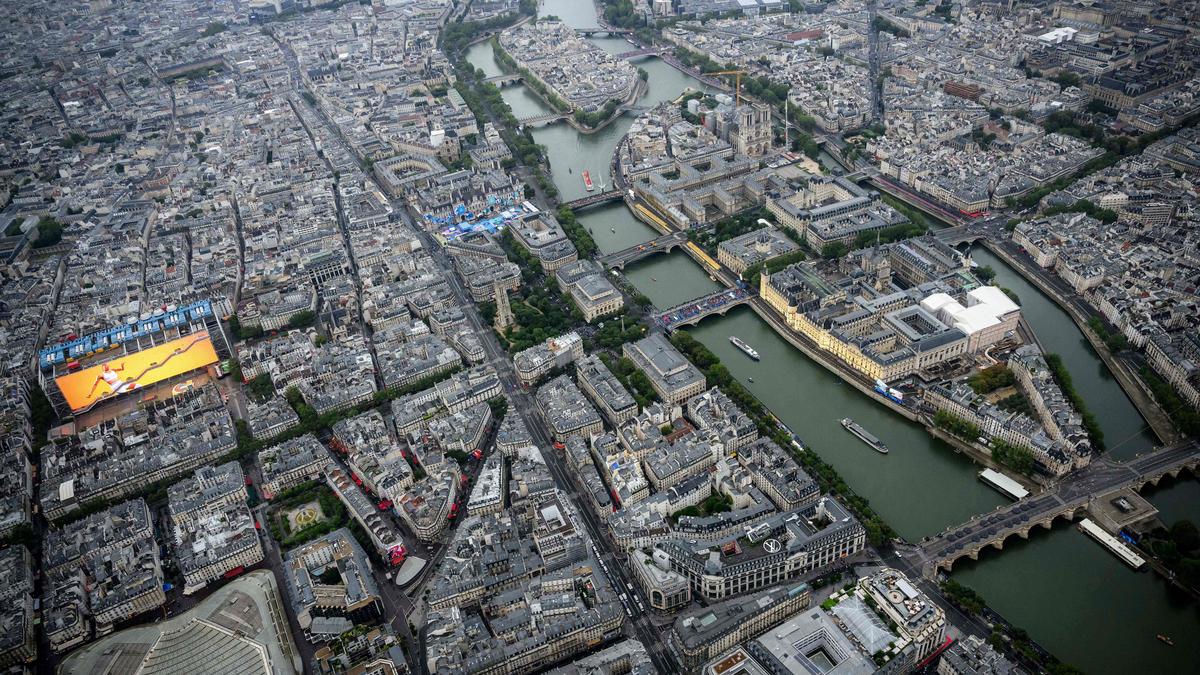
point(1073, 596)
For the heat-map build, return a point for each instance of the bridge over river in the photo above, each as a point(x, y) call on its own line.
point(1068, 499)
point(961, 234)
point(663, 244)
point(691, 312)
point(594, 199)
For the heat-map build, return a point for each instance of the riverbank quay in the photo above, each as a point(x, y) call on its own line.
point(1077, 309)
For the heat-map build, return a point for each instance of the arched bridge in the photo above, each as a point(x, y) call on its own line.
point(504, 79)
point(663, 244)
point(594, 199)
point(538, 120)
point(592, 32)
point(962, 234)
point(638, 53)
point(1068, 500)
point(690, 313)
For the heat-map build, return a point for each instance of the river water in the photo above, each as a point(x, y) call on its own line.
point(1072, 595)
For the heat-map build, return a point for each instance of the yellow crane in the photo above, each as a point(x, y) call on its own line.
point(737, 80)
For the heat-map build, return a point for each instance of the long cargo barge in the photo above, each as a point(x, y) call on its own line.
point(864, 435)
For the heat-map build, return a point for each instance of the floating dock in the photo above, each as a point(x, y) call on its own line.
point(1004, 484)
point(1113, 544)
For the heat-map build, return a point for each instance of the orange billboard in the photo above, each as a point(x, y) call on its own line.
point(126, 374)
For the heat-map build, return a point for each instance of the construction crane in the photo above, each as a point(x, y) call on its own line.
point(738, 82)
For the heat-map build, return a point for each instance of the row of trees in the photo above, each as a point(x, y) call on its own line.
point(1084, 206)
point(1017, 458)
point(1113, 340)
point(968, 431)
point(1185, 418)
point(578, 234)
point(312, 422)
point(889, 235)
point(1059, 369)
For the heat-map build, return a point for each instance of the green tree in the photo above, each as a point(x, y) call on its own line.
point(1186, 536)
point(49, 232)
point(833, 250)
point(302, 319)
point(261, 387)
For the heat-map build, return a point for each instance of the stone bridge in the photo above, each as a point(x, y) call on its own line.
point(538, 120)
point(691, 312)
point(1069, 499)
point(961, 234)
point(504, 79)
point(638, 53)
point(601, 30)
point(663, 244)
point(595, 199)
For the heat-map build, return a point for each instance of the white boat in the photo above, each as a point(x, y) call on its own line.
point(749, 351)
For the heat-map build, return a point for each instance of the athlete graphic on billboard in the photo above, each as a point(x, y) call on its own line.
point(110, 376)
